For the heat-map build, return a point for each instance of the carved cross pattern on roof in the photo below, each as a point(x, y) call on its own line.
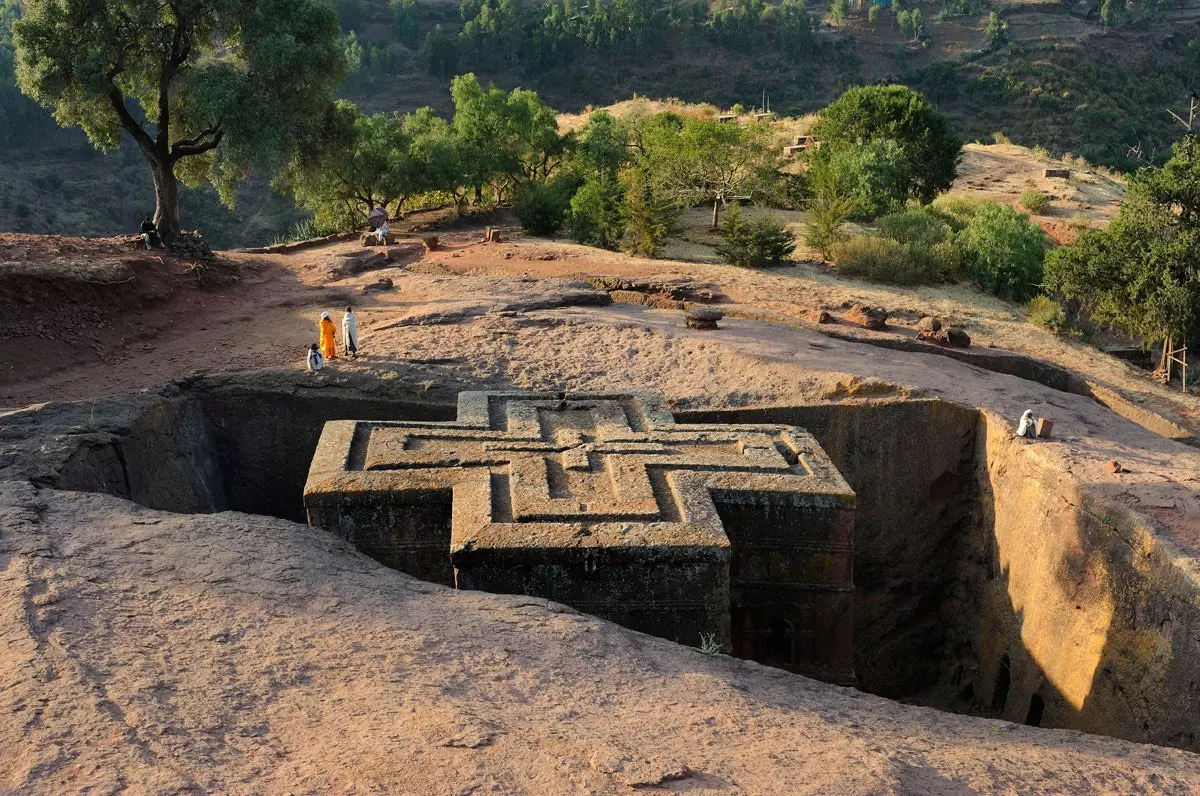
point(546, 470)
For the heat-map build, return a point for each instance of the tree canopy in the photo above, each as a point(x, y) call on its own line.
point(205, 88)
point(1140, 275)
point(868, 114)
point(703, 160)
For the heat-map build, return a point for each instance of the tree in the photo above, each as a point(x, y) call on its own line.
point(406, 21)
point(1139, 275)
point(839, 10)
point(354, 164)
point(995, 35)
point(828, 210)
point(648, 218)
point(505, 140)
point(870, 113)
point(1003, 252)
point(875, 174)
point(797, 39)
point(438, 54)
point(205, 88)
point(756, 242)
point(702, 160)
point(597, 215)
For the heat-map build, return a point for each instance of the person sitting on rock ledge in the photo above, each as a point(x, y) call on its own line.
point(316, 360)
point(382, 233)
point(150, 234)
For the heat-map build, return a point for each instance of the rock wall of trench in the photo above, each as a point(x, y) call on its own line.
point(911, 466)
point(1080, 616)
point(974, 556)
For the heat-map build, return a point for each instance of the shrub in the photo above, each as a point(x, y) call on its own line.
point(648, 219)
point(542, 207)
point(827, 212)
point(1035, 202)
point(1003, 252)
point(757, 242)
point(957, 210)
point(880, 260)
point(1047, 313)
point(876, 175)
point(597, 215)
point(919, 226)
point(928, 240)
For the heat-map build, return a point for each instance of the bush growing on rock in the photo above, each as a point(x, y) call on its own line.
point(1003, 252)
point(756, 242)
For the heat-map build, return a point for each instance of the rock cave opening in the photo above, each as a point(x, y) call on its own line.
point(983, 583)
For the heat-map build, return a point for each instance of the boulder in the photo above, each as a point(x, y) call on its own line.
point(821, 316)
point(929, 324)
point(703, 317)
point(379, 286)
point(431, 242)
point(957, 338)
point(874, 318)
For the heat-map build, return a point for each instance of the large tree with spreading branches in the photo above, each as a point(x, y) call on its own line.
point(205, 88)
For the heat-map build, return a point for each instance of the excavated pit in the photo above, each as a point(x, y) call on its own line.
point(985, 583)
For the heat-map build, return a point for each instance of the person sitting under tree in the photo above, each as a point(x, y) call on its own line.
point(150, 234)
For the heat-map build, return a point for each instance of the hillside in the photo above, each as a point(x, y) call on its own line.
point(1063, 82)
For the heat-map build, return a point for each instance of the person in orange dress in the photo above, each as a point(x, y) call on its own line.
point(328, 330)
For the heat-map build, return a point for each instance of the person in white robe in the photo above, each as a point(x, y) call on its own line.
point(382, 232)
point(350, 332)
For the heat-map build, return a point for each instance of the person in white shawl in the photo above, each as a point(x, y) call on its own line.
point(316, 360)
point(1028, 425)
point(350, 332)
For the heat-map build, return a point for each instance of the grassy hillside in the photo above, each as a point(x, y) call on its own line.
point(1063, 82)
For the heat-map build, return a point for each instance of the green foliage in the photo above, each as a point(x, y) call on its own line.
point(1139, 276)
point(205, 88)
point(827, 214)
point(438, 54)
point(406, 22)
point(1035, 201)
point(648, 218)
point(958, 210)
point(879, 260)
point(1003, 252)
point(353, 164)
point(1047, 313)
point(875, 174)
point(797, 32)
point(542, 207)
point(702, 160)
point(873, 13)
point(505, 140)
point(995, 35)
point(757, 242)
point(873, 113)
point(839, 11)
point(597, 215)
point(603, 144)
point(915, 246)
point(911, 23)
point(736, 24)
